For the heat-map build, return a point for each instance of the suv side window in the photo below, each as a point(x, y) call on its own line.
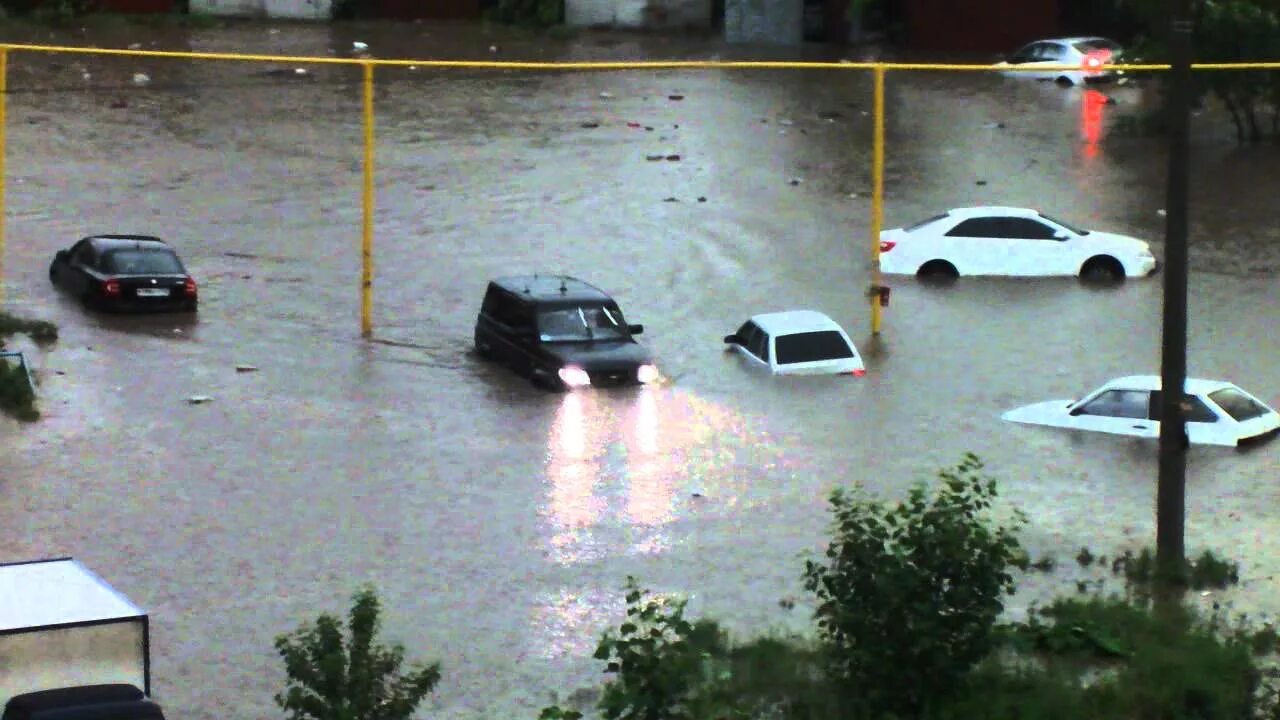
point(505, 309)
point(83, 255)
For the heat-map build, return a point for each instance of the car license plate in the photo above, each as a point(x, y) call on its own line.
point(153, 292)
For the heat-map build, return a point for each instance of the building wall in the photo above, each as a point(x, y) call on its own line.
point(292, 9)
point(770, 22)
point(639, 14)
point(986, 26)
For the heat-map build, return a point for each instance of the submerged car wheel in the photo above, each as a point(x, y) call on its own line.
point(1064, 81)
point(937, 271)
point(1102, 269)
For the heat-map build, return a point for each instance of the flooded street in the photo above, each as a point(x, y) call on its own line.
point(500, 521)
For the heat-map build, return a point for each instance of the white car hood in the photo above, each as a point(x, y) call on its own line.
point(1052, 413)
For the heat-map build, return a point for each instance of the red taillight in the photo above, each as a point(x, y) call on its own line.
point(189, 287)
point(1096, 59)
point(857, 373)
point(887, 245)
point(111, 287)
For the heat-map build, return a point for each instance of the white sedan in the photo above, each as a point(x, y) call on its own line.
point(1216, 412)
point(797, 342)
point(1086, 55)
point(993, 240)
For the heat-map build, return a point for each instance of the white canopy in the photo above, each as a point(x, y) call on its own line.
point(57, 592)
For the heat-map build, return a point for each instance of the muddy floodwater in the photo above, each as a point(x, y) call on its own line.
point(500, 521)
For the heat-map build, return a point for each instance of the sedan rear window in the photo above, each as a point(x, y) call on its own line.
point(1239, 406)
point(811, 347)
point(922, 223)
point(143, 262)
point(1093, 44)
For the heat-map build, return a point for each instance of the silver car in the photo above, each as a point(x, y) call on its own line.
point(1036, 60)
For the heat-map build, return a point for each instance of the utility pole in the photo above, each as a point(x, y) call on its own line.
point(1172, 482)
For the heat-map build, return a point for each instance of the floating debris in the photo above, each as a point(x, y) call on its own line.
point(199, 399)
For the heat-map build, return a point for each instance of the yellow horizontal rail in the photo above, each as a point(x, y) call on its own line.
point(608, 65)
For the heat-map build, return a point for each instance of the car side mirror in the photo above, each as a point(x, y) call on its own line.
point(732, 340)
point(1061, 236)
point(635, 329)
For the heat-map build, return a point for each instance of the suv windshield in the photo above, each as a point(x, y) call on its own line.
point(143, 262)
point(581, 324)
point(811, 347)
point(1239, 406)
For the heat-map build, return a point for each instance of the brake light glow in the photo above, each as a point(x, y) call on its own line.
point(189, 287)
point(111, 287)
point(1096, 59)
point(887, 245)
point(858, 373)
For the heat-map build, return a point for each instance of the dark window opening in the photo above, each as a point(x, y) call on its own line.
point(812, 347)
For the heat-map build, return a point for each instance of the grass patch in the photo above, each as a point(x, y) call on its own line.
point(38, 330)
point(17, 397)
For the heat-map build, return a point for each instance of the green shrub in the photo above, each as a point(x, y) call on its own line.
point(909, 595)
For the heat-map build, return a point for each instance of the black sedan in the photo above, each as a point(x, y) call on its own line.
point(125, 272)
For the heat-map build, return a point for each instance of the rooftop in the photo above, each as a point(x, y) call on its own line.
point(1195, 386)
point(794, 321)
point(553, 287)
point(57, 592)
point(111, 242)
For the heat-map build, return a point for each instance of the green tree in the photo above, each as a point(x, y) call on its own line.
point(352, 678)
point(909, 595)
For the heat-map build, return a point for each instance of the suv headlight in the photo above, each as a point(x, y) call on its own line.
point(648, 374)
point(574, 377)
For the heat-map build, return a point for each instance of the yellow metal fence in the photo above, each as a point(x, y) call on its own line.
point(368, 65)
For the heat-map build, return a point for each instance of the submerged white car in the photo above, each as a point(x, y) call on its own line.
point(1012, 241)
point(797, 342)
point(1216, 412)
point(1085, 55)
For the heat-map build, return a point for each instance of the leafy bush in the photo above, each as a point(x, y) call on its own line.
point(909, 595)
point(353, 679)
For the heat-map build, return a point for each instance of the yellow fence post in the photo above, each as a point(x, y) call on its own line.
point(366, 239)
point(4, 140)
point(877, 195)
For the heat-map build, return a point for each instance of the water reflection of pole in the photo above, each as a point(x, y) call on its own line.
point(1171, 489)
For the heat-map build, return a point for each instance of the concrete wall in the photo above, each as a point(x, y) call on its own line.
point(292, 9)
point(767, 22)
point(639, 14)
point(90, 655)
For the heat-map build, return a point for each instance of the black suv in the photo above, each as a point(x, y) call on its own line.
point(560, 332)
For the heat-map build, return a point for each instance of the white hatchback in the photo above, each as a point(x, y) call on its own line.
point(797, 342)
point(1216, 412)
point(1083, 57)
point(1011, 241)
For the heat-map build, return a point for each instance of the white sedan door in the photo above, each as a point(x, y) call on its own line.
point(977, 246)
point(1116, 411)
point(1039, 249)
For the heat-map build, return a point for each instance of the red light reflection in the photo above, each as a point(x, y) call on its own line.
point(1091, 105)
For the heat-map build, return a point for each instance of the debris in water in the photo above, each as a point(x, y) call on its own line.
point(135, 46)
point(653, 158)
point(980, 182)
point(590, 125)
point(670, 199)
point(994, 126)
point(675, 97)
point(140, 79)
point(359, 46)
point(493, 48)
point(299, 71)
point(795, 181)
point(1161, 212)
point(87, 77)
point(649, 128)
point(246, 368)
point(118, 104)
point(673, 158)
point(702, 198)
point(606, 95)
point(198, 399)
point(633, 125)
point(785, 122)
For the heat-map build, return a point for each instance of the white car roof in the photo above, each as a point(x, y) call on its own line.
point(794, 321)
point(57, 592)
point(987, 210)
point(1195, 386)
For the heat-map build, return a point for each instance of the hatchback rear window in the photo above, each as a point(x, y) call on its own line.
point(1239, 406)
point(811, 347)
point(143, 262)
point(1089, 46)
